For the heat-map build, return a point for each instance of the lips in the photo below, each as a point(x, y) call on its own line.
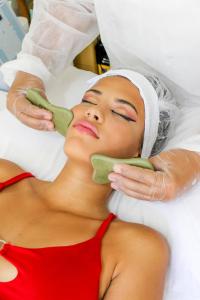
point(86, 127)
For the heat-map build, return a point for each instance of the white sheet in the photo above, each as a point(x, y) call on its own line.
point(2, 100)
point(178, 220)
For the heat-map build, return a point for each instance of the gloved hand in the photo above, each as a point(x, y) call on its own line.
point(175, 171)
point(26, 112)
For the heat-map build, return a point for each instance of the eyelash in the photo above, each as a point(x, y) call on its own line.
point(124, 117)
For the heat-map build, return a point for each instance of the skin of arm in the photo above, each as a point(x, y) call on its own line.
point(41, 56)
point(72, 21)
point(140, 273)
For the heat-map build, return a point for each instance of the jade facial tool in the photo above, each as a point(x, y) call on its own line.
point(62, 117)
point(103, 165)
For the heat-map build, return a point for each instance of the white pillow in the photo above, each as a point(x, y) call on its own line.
point(186, 134)
point(35, 151)
point(2, 100)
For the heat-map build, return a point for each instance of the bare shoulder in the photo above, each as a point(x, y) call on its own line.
point(8, 170)
point(141, 257)
point(139, 240)
point(9, 207)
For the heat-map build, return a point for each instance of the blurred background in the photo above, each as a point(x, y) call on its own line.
point(15, 18)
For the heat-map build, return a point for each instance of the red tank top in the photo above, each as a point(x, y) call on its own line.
point(56, 272)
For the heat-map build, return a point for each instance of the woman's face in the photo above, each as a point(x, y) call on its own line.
point(114, 109)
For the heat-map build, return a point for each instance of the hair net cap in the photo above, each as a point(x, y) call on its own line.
point(150, 99)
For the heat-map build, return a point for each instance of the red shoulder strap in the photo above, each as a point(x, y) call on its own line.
point(104, 226)
point(15, 179)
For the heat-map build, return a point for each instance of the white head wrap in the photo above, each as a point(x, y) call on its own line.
point(150, 99)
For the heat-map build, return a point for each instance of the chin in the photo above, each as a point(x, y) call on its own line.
point(82, 148)
point(116, 152)
point(76, 150)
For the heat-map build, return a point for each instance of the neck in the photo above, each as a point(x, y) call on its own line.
point(74, 191)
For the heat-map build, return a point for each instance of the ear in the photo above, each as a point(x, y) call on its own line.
point(139, 151)
point(137, 155)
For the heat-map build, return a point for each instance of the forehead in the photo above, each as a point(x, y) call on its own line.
point(119, 87)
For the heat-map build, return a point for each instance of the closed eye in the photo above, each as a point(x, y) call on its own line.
point(86, 101)
point(114, 112)
point(123, 116)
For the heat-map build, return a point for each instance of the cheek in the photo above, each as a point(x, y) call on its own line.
point(76, 111)
point(81, 148)
point(122, 140)
point(77, 145)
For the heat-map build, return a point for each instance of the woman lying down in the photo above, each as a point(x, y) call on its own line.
point(58, 239)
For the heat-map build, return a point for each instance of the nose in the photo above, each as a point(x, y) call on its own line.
point(94, 114)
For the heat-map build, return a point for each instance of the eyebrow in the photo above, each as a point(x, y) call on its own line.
point(123, 101)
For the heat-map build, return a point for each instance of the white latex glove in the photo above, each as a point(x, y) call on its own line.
point(26, 112)
point(175, 171)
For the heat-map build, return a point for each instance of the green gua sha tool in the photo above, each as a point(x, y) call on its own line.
point(62, 117)
point(103, 165)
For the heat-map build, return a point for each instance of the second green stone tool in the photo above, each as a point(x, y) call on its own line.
point(103, 165)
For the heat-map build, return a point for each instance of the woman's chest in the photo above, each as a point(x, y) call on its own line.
point(27, 223)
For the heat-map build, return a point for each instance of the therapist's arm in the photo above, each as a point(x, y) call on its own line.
point(59, 31)
point(175, 172)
